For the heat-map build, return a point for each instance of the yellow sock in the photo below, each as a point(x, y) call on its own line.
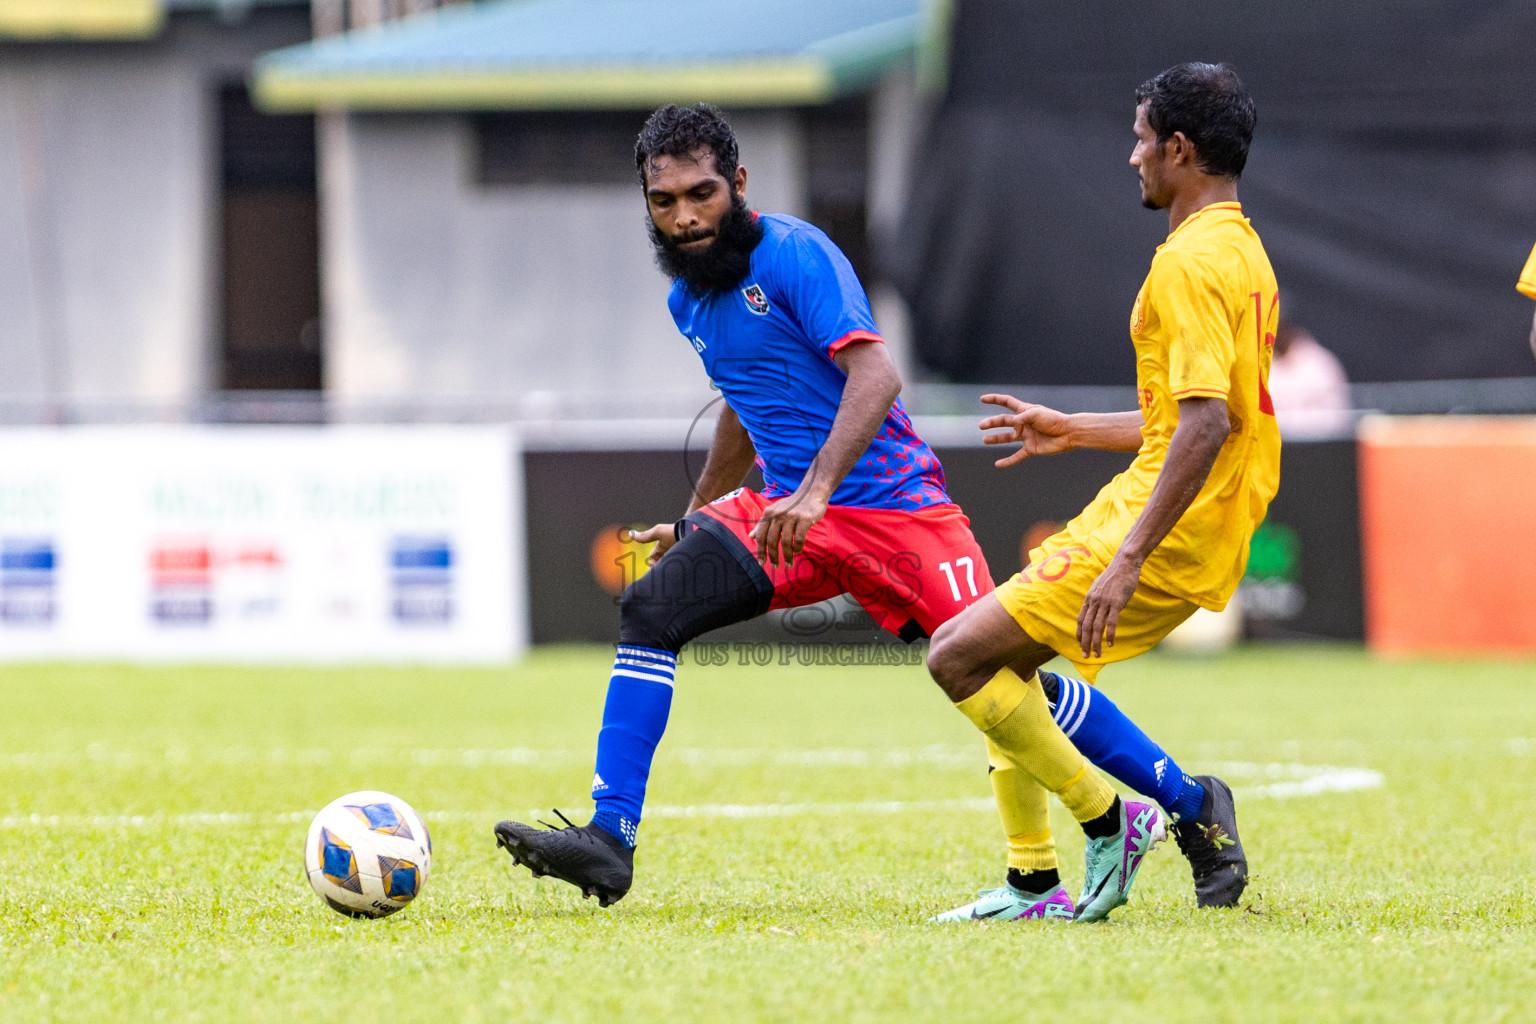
point(1017, 721)
point(1021, 802)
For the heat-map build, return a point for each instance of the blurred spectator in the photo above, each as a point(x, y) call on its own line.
point(1527, 286)
point(1308, 386)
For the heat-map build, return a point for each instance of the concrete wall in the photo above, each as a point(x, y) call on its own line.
point(896, 114)
point(108, 211)
point(435, 287)
point(439, 288)
point(103, 229)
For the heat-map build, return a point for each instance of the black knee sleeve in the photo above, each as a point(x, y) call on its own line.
point(707, 580)
point(1052, 687)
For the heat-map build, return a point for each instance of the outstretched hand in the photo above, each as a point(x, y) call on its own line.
point(663, 535)
point(1040, 431)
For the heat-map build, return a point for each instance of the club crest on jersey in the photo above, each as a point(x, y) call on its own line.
point(757, 302)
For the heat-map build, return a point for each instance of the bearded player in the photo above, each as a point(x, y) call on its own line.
point(854, 502)
point(1171, 533)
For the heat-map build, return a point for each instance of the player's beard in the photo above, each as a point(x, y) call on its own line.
point(1150, 185)
point(722, 265)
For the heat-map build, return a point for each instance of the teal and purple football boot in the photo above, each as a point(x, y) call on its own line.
point(1112, 863)
point(1009, 904)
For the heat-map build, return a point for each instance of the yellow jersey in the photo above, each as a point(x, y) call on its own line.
point(1203, 326)
point(1527, 282)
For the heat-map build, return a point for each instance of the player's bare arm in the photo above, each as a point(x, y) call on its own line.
point(725, 468)
point(729, 461)
point(1044, 431)
point(872, 387)
point(1202, 430)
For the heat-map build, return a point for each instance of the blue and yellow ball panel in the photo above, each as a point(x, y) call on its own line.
point(382, 818)
point(402, 879)
point(337, 863)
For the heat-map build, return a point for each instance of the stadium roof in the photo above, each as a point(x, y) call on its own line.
point(80, 19)
point(549, 54)
point(232, 9)
point(98, 20)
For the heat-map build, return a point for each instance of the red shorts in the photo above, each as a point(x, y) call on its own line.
point(904, 568)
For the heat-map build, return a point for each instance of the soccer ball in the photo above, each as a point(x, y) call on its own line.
point(367, 854)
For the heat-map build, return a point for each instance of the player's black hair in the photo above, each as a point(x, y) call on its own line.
point(1207, 102)
point(683, 131)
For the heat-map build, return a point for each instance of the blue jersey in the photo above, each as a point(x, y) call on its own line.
point(768, 347)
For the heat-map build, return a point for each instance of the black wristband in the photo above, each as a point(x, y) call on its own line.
point(677, 530)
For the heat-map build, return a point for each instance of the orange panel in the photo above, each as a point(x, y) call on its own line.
point(1448, 524)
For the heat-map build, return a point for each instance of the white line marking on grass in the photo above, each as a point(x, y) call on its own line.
point(20, 821)
point(15, 821)
point(1293, 781)
point(820, 809)
point(1339, 780)
point(1279, 779)
point(1288, 780)
point(938, 755)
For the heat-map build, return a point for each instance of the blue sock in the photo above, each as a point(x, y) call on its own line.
point(1116, 744)
point(634, 717)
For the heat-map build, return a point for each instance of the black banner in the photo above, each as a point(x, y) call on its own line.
point(1391, 179)
point(1304, 574)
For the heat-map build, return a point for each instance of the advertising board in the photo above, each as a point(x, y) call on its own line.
point(1303, 580)
point(261, 544)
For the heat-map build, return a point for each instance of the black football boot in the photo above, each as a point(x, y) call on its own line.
point(584, 855)
point(1215, 852)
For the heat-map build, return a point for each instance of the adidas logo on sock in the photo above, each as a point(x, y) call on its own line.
point(1160, 768)
point(598, 783)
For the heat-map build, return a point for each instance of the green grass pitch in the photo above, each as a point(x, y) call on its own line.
point(804, 823)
